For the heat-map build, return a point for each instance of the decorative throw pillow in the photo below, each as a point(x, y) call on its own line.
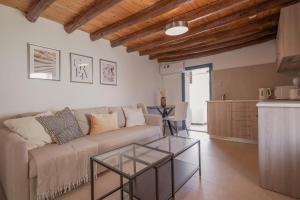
point(62, 127)
point(134, 116)
point(30, 130)
point(103, 122)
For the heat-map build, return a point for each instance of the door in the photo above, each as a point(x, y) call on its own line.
point(196, 84)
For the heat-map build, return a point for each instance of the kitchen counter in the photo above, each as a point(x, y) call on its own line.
point(228, 101)
point(279, 103)
point(279, 146)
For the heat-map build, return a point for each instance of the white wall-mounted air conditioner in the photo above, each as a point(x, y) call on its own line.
point(171, 68)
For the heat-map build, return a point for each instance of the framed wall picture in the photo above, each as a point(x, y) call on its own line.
point(108, 72)
point(43, 63)
point(81, 68)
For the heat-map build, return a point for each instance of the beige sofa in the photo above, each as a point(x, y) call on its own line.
point(18, 172)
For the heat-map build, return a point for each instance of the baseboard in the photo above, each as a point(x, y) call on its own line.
point(234, 139)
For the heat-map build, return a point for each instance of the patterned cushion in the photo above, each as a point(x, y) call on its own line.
point(62, 127)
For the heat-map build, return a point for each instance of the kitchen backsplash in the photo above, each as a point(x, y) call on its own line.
point(243, 82)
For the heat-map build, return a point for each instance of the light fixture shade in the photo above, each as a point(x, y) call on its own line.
point(176, 28)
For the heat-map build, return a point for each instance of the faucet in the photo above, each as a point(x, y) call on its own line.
point(223, 97)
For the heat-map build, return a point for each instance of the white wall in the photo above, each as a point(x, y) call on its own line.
point(138, 78)
point(247, 56)
point(252, 55)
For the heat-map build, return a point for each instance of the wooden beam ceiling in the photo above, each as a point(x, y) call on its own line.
point(214, 40)
point(205, 38)
point(221, 50)
point(265, 6)
point(153, 11)
point(202, 48)
point(215, 25)
point(36, 10)
point(209, 9)
point(89, 14)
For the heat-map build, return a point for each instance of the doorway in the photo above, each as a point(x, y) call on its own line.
point(196, 85)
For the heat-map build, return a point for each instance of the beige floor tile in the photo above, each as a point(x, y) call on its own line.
point(229, 172)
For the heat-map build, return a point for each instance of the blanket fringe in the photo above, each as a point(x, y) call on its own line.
point(49, 195)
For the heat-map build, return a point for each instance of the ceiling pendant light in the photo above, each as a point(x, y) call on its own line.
point(176, 28)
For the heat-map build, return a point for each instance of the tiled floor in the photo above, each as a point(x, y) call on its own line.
point(229, 172)
point(201, 128)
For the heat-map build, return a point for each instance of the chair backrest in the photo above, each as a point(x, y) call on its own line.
point(143, 107)
point(181, 109)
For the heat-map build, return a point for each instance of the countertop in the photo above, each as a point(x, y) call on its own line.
point(279, 103)
point(222, 101)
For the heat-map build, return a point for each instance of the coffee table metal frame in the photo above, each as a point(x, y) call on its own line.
point(174, 155)
point(131, 178)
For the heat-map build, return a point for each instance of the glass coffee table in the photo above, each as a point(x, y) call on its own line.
point(152, 171)
point(186, 153)
point(139, 168)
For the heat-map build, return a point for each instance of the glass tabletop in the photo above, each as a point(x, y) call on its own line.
point(132, 159)
point(173, 144)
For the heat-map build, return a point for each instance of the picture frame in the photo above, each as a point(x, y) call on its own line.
point(81, 68)
point(108, 72)
point(43, 63)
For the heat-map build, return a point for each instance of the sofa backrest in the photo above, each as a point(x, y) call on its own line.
point(82, 116)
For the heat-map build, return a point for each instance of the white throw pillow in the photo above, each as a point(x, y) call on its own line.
point(30, 130)
point(134, 116)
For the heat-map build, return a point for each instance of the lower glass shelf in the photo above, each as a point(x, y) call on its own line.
point(144, 184)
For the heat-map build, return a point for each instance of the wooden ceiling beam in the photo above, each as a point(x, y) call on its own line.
point(232, 42)
point(209, 9)
point(155, 10)
point(203, 39)
point(36, 10)
point(263, 7)
point(90, 13)
point(215, 41)
point(221, 50)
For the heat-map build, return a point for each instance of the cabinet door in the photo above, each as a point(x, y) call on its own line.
point(244, 120)
point(219, 119)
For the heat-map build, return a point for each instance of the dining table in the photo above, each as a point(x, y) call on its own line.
point(164, 111)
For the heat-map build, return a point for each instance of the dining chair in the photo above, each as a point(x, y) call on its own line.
point(143, 107)
point(181, 109)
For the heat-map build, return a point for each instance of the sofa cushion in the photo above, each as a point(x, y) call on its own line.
point(62, 127)
point(121, 116)
point(134, 116)
point(30, 130)
point(115, 139)
point(82, 117)
point(101, 123)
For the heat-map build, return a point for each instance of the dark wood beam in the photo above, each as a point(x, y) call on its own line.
point(200, 49)
point(209, 9)
point(155, 10)
point(215, 41)
point(213, 52)
point(89, 14)
point(244, 14)
point(36, 10)
point(202, 39)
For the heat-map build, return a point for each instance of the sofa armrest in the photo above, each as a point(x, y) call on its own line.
point(13, 166)
point(153, 120)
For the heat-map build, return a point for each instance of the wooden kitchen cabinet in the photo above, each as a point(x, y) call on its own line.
point(279, 141)
point(234, 119)
point(288, 43)
point(244, 120)
point(219, 119)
